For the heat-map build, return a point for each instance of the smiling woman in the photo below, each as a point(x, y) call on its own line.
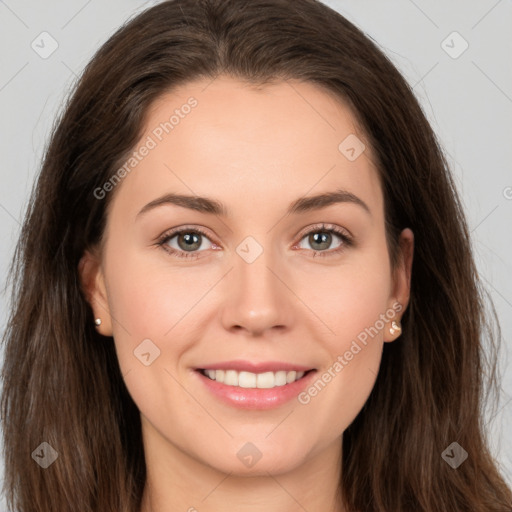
point(254, 287)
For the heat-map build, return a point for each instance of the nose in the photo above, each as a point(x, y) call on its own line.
point(258, 298)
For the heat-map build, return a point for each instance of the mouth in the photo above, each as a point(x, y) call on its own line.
point(254, 385)
point(250, 380)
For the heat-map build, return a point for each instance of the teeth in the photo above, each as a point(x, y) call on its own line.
point(254, 380)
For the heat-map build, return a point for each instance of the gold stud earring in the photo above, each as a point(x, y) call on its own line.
point(97, 321)
point(394, 327)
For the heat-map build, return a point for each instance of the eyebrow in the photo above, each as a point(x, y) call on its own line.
point(214, 207)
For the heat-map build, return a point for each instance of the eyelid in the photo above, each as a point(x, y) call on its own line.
point(188, 228)
point(323, 226)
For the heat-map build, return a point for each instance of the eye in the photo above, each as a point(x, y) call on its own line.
point(188, 241)
point(321, 237)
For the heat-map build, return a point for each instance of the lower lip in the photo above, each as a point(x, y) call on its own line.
point(256, 398)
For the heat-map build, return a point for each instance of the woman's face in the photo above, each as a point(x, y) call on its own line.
point(263, 289)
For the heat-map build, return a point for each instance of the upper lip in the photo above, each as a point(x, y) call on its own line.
point(254, 367)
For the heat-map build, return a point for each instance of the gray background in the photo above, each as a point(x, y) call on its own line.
point(467, 96)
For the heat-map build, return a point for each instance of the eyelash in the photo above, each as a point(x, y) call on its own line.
point(346, 239)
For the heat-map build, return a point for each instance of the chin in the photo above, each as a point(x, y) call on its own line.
point(257, 459)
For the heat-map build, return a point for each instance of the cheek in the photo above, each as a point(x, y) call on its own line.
point(155, 301)
point(353, 303)
point(152, 309)
point(350, 298)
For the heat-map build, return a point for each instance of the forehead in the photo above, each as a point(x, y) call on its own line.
point(271, 143)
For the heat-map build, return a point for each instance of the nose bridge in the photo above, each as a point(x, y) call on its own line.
point(257, 298)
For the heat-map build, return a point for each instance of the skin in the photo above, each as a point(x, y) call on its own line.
point(256, 150)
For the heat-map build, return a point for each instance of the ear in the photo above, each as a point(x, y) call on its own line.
point(93, 285)
point(399, 299)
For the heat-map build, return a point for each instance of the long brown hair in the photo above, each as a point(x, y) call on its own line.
point(61, 380)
